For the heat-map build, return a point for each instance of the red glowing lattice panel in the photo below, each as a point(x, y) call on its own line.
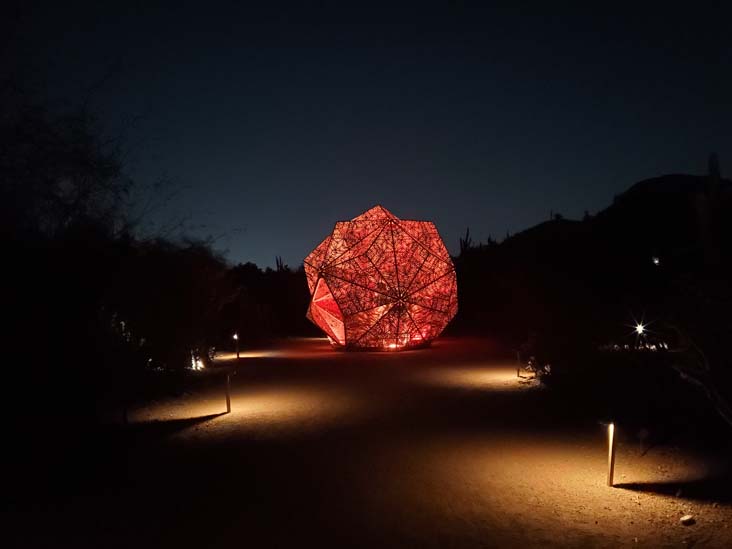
point(379, 282)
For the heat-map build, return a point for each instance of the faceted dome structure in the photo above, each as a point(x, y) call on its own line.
point(381, 283)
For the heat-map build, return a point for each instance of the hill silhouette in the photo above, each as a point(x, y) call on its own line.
point(565, 291)
point(669, 214)
point(624, 258)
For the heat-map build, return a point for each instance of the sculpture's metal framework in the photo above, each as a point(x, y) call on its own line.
point(380, 282)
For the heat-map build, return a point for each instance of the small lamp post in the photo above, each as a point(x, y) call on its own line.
point(228, 391)
point(236, 341)
point(610, 453)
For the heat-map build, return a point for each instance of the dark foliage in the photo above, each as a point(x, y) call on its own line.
point(97, 317)
point(269, 303)
point(659, 253)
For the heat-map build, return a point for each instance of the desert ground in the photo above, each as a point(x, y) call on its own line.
point(441, 447)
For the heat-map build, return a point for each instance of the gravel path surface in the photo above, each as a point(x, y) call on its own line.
point(433, 448)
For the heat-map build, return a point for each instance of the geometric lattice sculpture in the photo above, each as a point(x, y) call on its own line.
point(381, 283)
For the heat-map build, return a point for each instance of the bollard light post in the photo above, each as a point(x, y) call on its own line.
point(228, 392)
point(610, 453)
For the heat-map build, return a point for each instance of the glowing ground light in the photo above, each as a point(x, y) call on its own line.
point(381, 283)
point(639, 326)
point(610, 453)
point(474, 376)
point(196, 363)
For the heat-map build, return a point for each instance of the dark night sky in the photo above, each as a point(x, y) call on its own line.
point(275, 121)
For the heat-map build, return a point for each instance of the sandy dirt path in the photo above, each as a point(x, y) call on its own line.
point(433, 448)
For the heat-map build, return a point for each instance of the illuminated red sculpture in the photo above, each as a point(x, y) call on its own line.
point(380, 282)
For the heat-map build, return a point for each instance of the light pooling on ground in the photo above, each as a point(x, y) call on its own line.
point(260, 412)
point(476, 376)
point(428, 448)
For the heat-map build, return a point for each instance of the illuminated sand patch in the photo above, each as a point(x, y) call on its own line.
point(525, 489)
point(256, 412)
point(492, 378)
point(259, 353)
point(295, 348)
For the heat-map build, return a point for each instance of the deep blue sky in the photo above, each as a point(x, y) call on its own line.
point(274, 122)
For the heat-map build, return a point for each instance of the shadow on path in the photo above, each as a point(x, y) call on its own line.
point(714, 488)
point(165, 427)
